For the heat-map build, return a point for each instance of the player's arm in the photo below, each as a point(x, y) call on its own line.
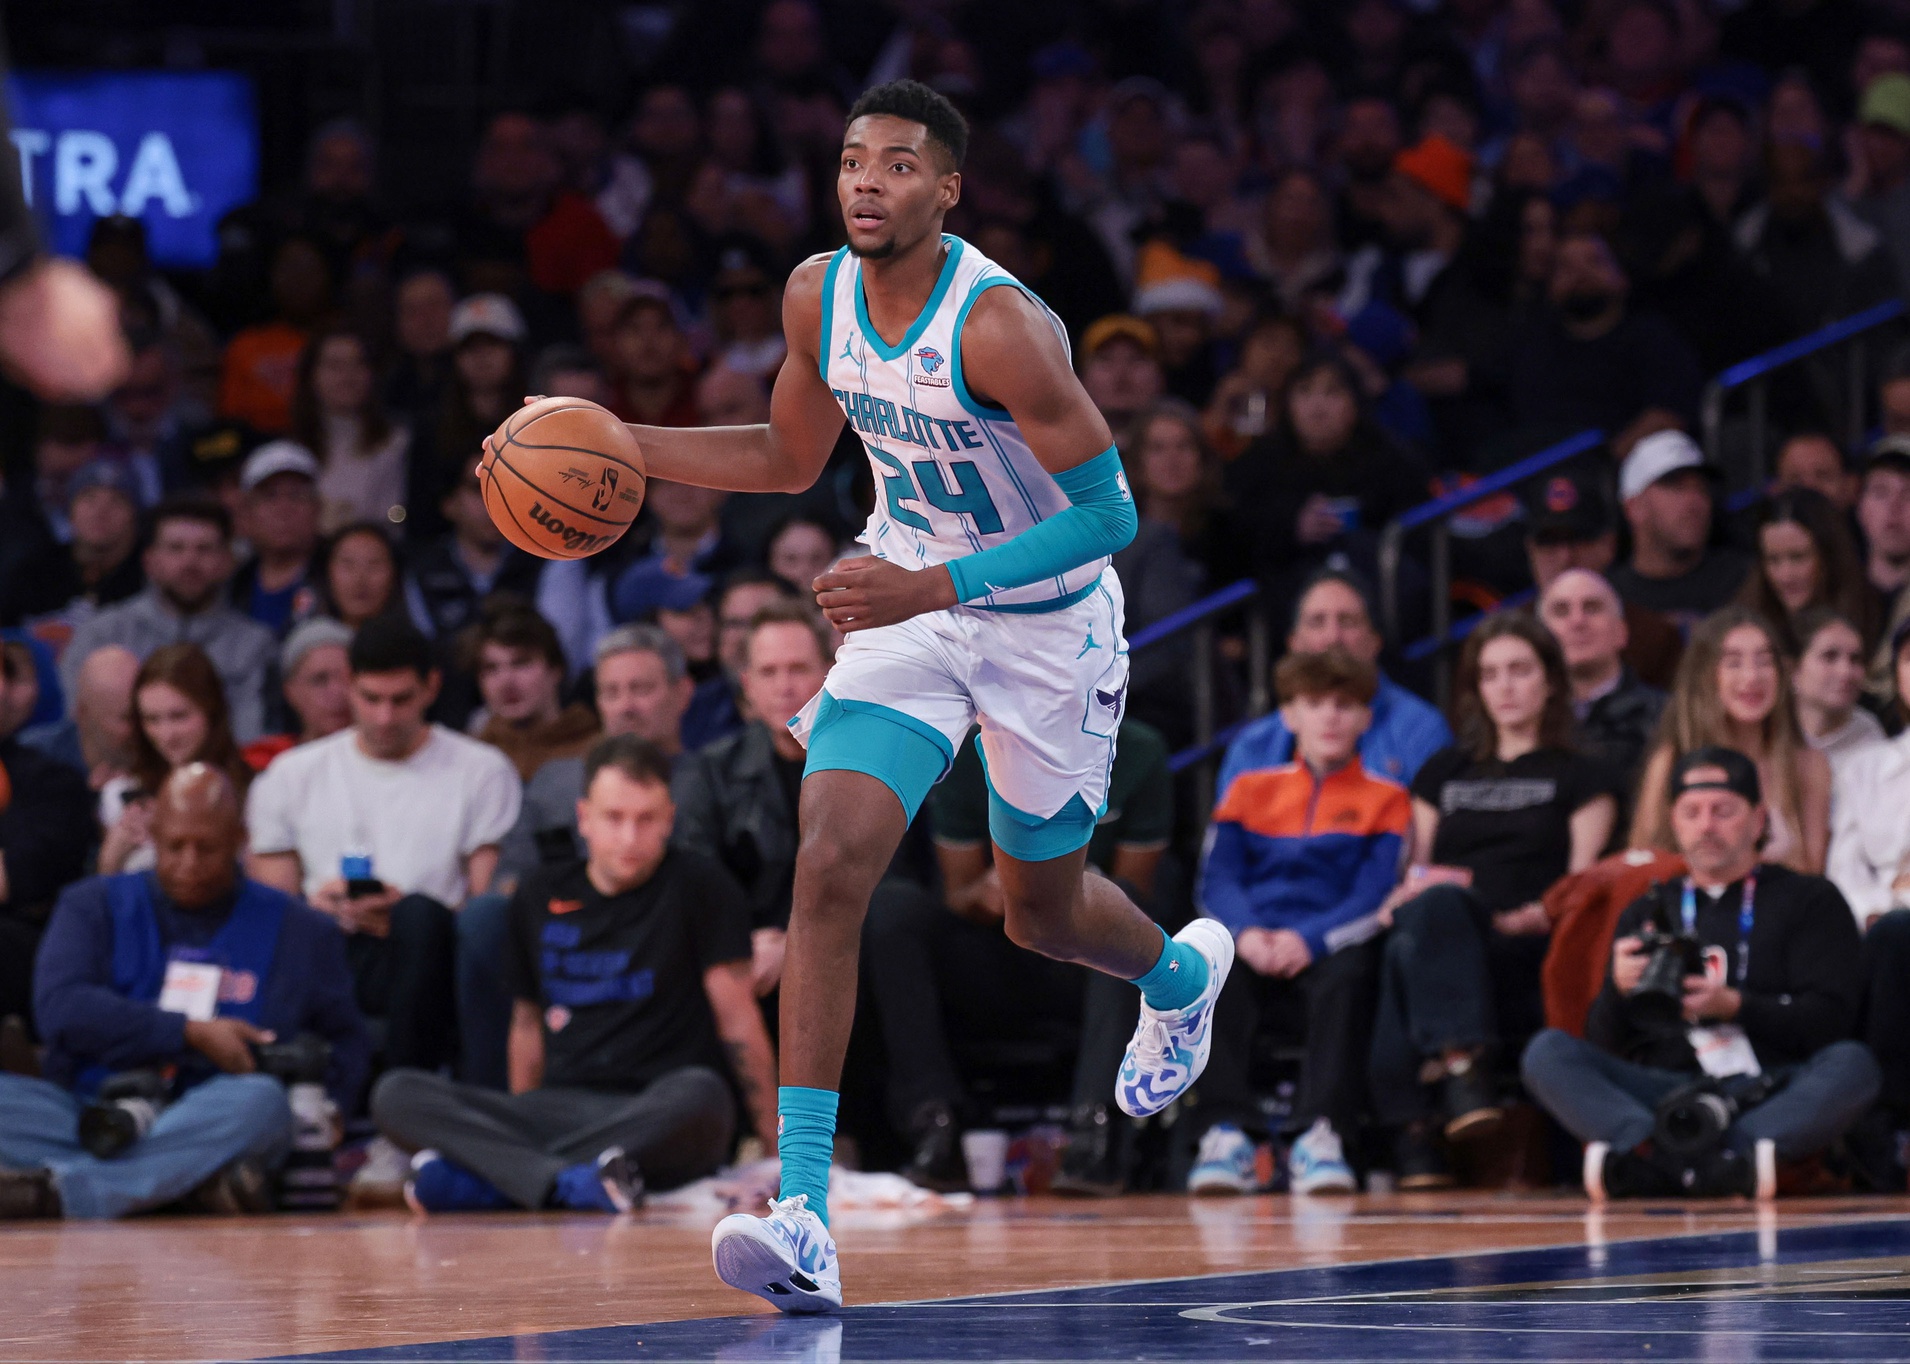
point(788, 454)
point(1012, 356)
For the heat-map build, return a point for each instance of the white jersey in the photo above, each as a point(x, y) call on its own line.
point(953, 474)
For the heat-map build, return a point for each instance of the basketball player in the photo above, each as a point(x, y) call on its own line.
point(986, 592)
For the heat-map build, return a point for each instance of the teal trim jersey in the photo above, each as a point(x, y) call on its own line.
point(953, 475)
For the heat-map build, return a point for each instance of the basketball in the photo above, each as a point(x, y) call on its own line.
point(562, 478)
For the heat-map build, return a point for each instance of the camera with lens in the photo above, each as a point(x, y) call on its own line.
point(123, 1111)
point(308, 1181)
point(1691, 1121)
point(303, 1060)
point(1657, 1002)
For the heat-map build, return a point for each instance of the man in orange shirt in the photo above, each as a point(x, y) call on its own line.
point(261, 362)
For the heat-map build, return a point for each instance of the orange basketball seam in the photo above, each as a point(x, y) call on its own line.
point(575, 511)
point(505, 502)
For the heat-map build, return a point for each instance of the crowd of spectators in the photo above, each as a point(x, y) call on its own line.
point(1318, 263)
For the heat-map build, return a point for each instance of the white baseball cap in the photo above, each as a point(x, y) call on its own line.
point(275, 458)
point(486, 315)
point(1660, 454)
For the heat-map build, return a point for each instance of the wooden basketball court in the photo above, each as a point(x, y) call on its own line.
point(1372, 1278)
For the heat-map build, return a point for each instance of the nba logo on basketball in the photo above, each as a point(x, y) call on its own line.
point(606, 488)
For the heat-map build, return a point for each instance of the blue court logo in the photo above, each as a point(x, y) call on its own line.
point(930, 359)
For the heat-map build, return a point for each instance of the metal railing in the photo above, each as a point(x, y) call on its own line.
point(1437, 514)
point(1851, 333)
point(1199, 617)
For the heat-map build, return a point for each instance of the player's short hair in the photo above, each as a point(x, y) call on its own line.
point(515, 624)
point(638, 759)
point(917, 103)
point(194, 507)
point(790, 611)
point(1332, 673)
point(1348, 578)
point(645, 639)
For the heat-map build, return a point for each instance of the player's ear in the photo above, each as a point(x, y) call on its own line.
point(951, 190)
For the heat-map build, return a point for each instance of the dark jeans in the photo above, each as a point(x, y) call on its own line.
point(484, 1001)
point(19, 941)
point(1338, 995)
point(406, 979)
point(1449, 981)
point(676, 1129)
point(933, 976)
point(1887, 1007)
point(1600, 1097)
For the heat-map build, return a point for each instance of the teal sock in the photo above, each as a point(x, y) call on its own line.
point(806, 1138)
point(1177, 979)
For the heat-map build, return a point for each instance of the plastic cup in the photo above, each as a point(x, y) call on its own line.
point(986, 1151)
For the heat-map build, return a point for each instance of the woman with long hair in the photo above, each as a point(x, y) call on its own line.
point(1497, 818)
point(1327, 479)
point(337, 415)
point(179, 717)
point(1806, 558)
point(1732, 690)
point(1828, 681)
point(359, 576)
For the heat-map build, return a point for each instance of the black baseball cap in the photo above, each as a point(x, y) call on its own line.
point(1892, 452)
point(1740, 773)
point(1568, 504)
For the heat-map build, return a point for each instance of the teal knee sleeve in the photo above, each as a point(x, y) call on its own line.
point(1028, 838)
point(898, 750)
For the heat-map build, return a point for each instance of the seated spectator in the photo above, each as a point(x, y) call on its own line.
point(46, 830)
point(1813, 460)
point(942, 973)
point(1666, 488)
point(448, 578)
point(520, 675)
point(388, 827)
point(1326, 480)
point(119, 946)
point(626, 1009)
point(188, 565)
point(486, 386)
point(1589, 359)
point(260, 370)
point(1883, 511)
point(1120, 363)
point(737, 798)
point(316, 681)
point(1569, 523)
point(1766, 1020)
point(1828, 680)
point(97, 565)
point(565, 370)
point(653, 369)
point(1805, 559)
point(643, 688)
point(720, 706)
point(685, 537)
point(421, 362)
point(279, 519)
point(1817, 257)
point(357, 575)
point(1616, 714)
point(1496, 820)
point(1246, 401)
point(180, 717)
point(1298, 862)
point(1732, 692)
point(96, 740)
point(1334, 610)
point(1870, 864)
point(799, 550)
point(363, 459)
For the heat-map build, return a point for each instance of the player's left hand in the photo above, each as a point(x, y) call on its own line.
point(863, 593)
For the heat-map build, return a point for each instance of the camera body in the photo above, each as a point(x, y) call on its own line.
point(1690, 1122)
point(307, 1181)
point(1657, 1002)
point(123, 1111)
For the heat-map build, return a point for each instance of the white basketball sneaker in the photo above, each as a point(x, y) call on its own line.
point(1169, 1048)
point(787, 1258)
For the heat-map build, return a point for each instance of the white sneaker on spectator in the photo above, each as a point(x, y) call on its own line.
point(1224, 1164)
point(1317, 1162)
point(380, 1181)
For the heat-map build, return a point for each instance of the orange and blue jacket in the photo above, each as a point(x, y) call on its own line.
point(1291, 850)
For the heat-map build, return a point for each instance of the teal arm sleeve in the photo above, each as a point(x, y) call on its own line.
point(1099, 519)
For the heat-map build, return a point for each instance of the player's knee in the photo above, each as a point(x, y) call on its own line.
point(833, 873)
point(1046, 929)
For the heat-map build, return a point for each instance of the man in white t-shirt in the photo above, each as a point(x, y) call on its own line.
point(389, 827)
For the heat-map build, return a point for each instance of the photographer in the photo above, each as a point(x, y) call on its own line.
point(179, 973)
point(1718, 1044)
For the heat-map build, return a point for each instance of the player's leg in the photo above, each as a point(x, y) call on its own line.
point(1053, 907)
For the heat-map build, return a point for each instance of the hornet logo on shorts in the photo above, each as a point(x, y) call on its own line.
point(930, 360)
point(1111, 699)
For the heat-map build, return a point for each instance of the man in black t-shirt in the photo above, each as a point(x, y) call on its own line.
point(1666, 488)
point(630, 974)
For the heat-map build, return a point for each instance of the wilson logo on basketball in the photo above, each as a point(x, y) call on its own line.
point(575, 541)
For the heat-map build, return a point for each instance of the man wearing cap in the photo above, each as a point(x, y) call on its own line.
point(651, 373)
point(1879, 186)
point(1883, 511)
point(1666, 488)
point(278, 510)
point(1617, 714)
point(315, 678)
point(1425, 207)
point(1570, 523)
point(188, 565)
point(96, 566)
point(1768, 999)
point(1179, 296)
point(1121, 370)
